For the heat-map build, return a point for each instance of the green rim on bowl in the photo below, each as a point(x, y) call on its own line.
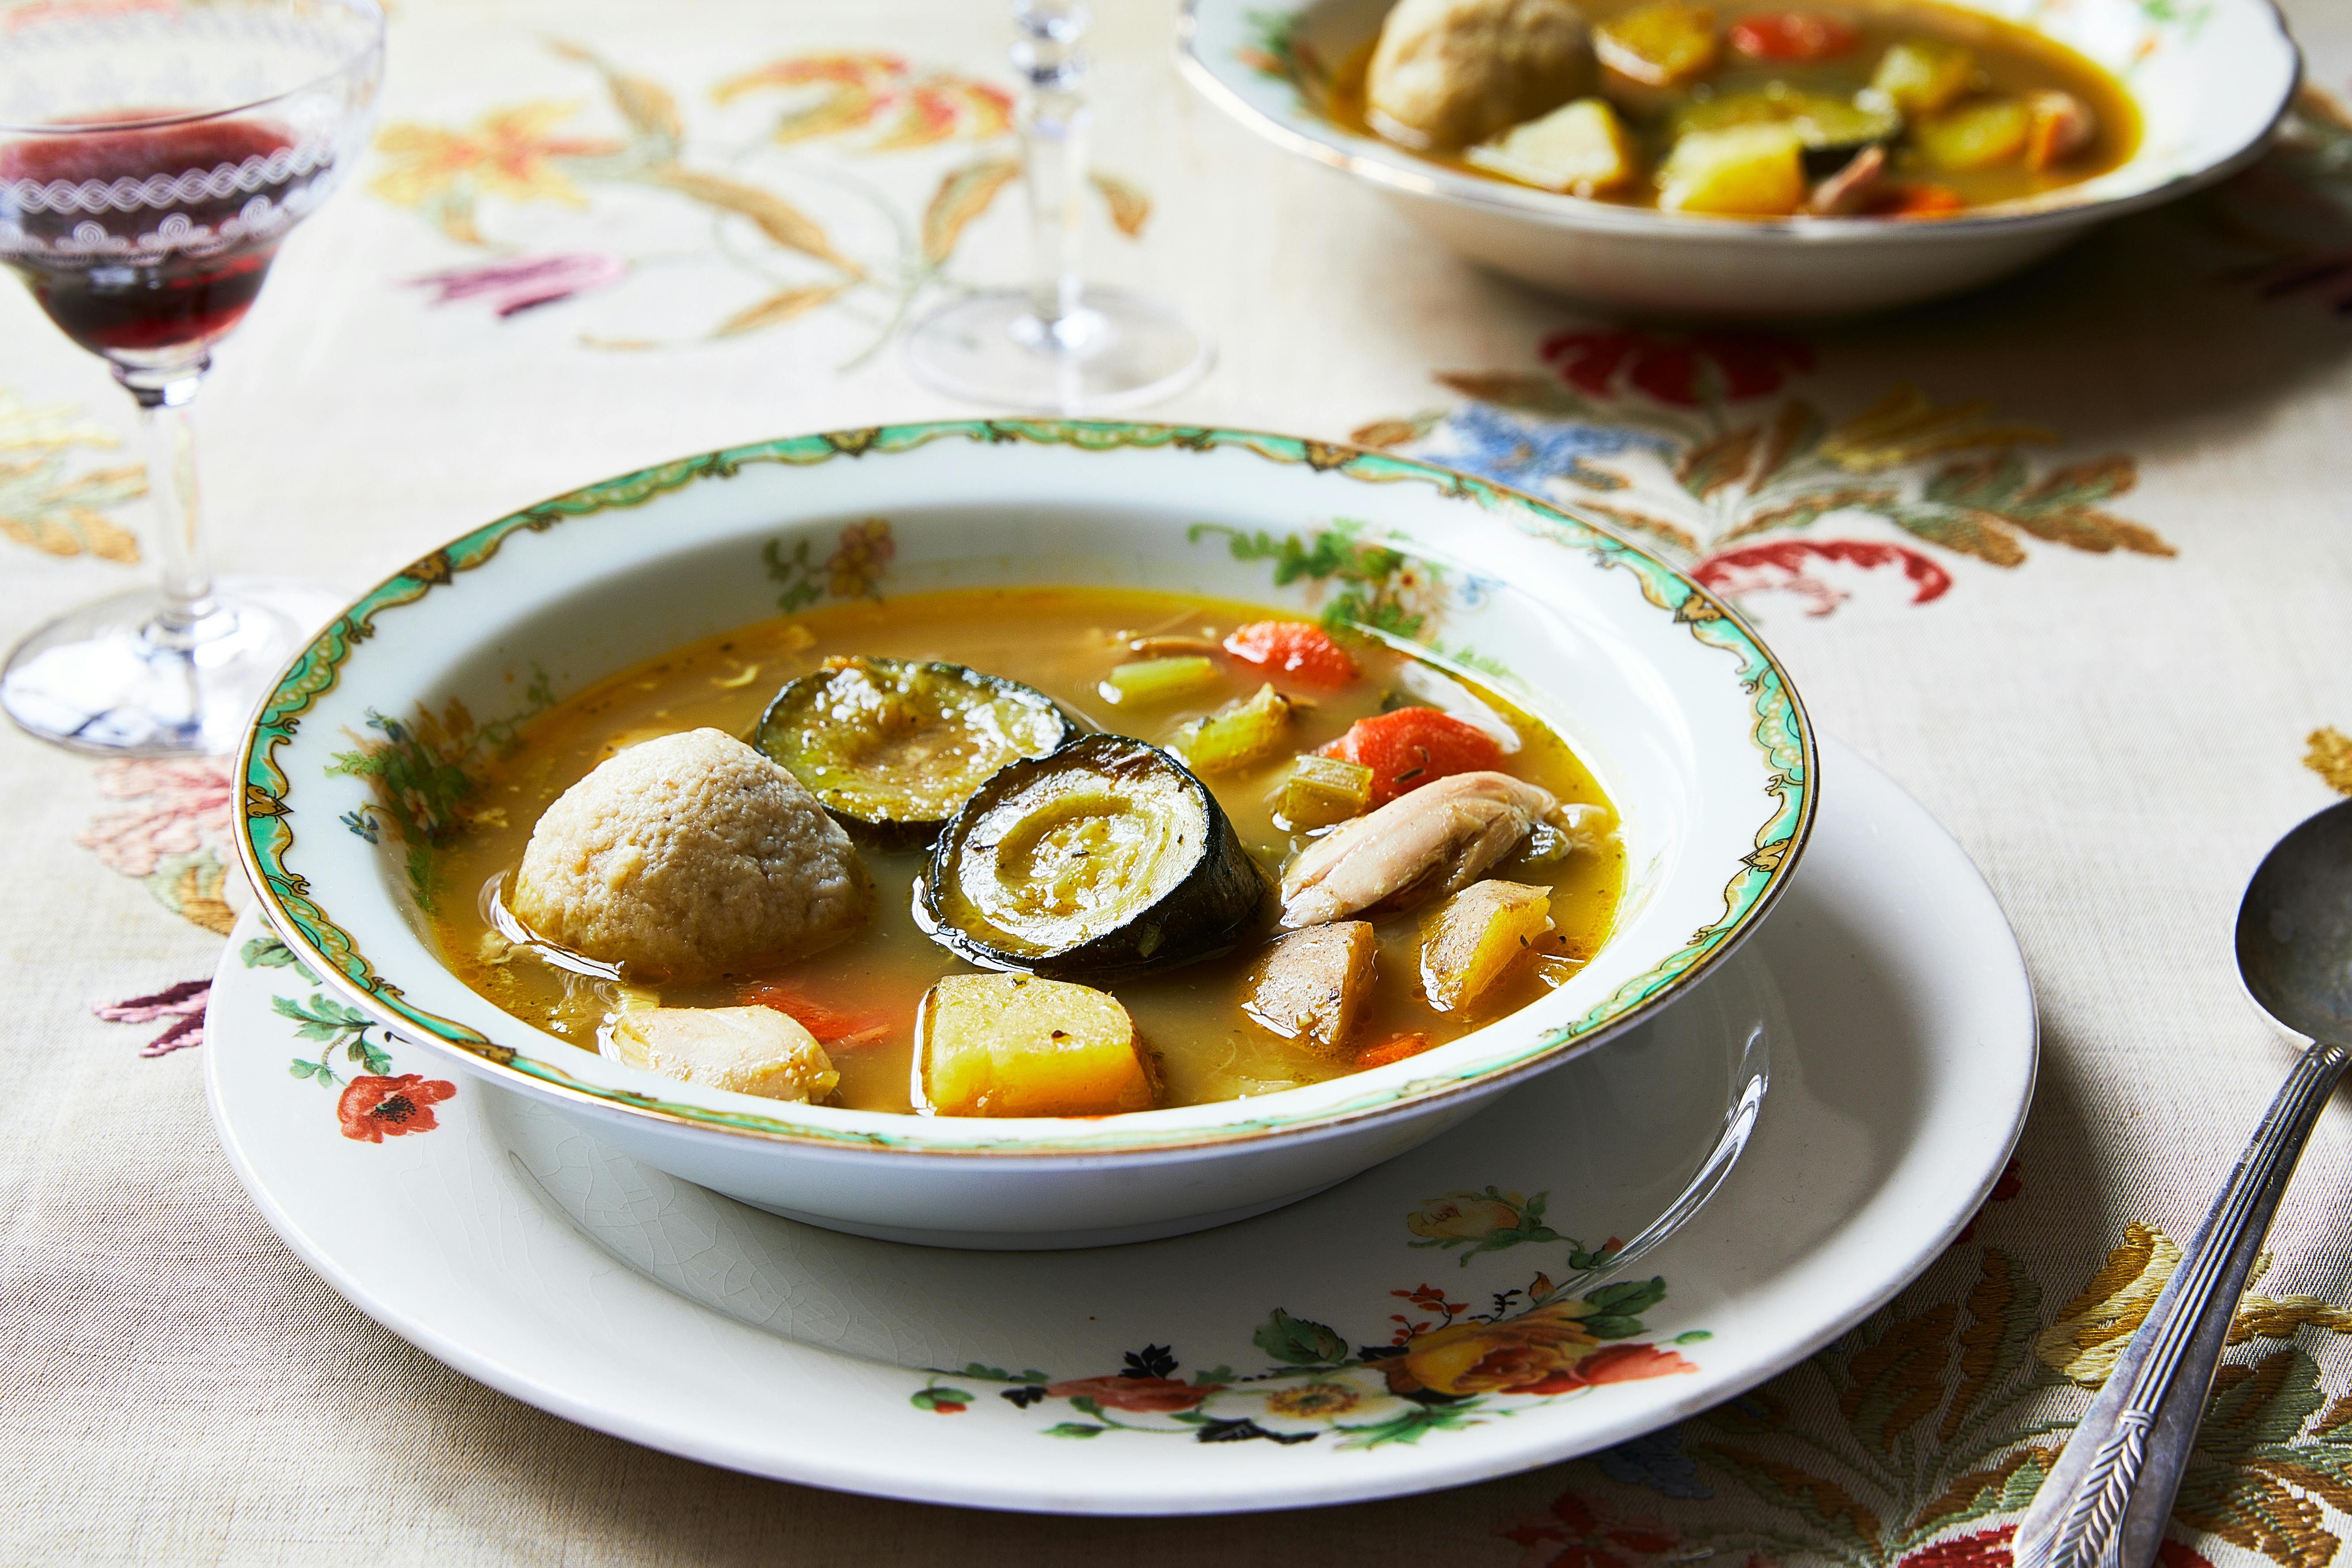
point(1780, 731)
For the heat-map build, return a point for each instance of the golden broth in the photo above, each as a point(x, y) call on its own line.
point(1062, 641)
point(2013, 59)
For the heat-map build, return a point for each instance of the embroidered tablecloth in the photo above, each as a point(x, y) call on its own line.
point(2067, 558)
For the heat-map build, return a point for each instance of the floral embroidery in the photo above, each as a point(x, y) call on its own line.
point(1660, 437)
point(2293, 209)
point(181, 1009)
point(373, 1108)
point(844, 116)
point(2329, 754)
point(509, 288)
point(49, 498)
point(1440, 1371)
point(172, 836)
point(1575, 1535)
point(1950, 1410)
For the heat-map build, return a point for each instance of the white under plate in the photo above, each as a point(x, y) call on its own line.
point(1250, 1367)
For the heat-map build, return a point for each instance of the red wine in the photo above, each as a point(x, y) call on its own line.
point(167, 287)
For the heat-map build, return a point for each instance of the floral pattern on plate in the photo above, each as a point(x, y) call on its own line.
point(1443, 1367)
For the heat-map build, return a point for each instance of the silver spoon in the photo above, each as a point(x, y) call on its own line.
point(2106, 1500)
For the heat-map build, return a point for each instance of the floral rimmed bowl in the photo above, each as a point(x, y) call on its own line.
point(2211, 81)
point(1689, 723)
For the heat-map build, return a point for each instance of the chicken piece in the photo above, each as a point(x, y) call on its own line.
point(1437, 839)
point(1014, 1045)
point(2062, 126)
point(1447, 73)
point(1848, 190)
point(1311, 984)
point(1475, 939)
point(751, 1050)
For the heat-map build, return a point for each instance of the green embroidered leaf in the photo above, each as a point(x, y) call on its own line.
point(1815, 1498)
point(2253, 1510)
point(963, 195)
point(1897, 1381)
point(1297, 1341)
point(2060, 506)
point(2007, 1485)
point(2264, 1404)
point(2004, 1310)
point(1529, 393)
point(1723, 460)
point(1795, 432)
point(1969, 532)
point(1074, 1429)
point(1808, 508)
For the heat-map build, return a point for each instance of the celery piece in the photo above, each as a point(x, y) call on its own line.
point(1158, 679)
point(1237, 735)
point(1321, 791)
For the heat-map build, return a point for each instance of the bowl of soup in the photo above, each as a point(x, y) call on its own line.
point(1754, 158)
point(1021, 833)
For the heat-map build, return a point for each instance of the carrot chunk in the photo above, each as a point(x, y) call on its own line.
point(1412, 747)
point(830, 1025)
point(1395, 1048)
point(1300, 649)
point(1792, 36)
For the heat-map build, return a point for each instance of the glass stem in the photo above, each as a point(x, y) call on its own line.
point(164, 397)
point(1055, 124)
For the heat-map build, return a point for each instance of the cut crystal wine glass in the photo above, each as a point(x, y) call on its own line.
point(1058, 344)
point(152, 159)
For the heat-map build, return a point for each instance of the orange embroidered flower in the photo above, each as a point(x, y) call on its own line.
point(508, 152)
point(373, 1108)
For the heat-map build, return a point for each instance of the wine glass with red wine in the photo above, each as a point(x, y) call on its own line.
point(153, 158)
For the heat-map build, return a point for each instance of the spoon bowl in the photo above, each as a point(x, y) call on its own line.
point(2294, 929)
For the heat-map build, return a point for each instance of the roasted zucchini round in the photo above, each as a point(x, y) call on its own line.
point(1104, 859)
point(893, 748)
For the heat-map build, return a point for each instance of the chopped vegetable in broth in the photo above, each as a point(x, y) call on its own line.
point(1895, 109)
point(1154, 769)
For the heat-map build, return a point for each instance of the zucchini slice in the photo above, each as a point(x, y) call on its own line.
point(1104, 859)
point(893, 748)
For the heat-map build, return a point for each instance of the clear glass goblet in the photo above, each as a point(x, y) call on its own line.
point(152, 159)
point(1057, 345)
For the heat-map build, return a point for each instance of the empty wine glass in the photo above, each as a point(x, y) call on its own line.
point(1057, 345)
point(152, 159)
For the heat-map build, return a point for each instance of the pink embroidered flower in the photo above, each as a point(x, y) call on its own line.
point(519, 284)
point(1786, 564)
point(182, 806)
point(179, 1009)
point(373, 1108)
point(1688, 371)
point(1984, 1549)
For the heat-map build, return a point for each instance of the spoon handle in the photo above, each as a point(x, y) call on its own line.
point(2106, 1500)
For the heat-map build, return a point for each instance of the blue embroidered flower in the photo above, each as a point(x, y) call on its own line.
point(1656, 1461)
point(1482, 440)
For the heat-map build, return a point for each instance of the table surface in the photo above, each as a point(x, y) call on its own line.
point(2086, 598)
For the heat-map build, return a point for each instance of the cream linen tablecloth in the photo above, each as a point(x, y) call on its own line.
point(2097, 624)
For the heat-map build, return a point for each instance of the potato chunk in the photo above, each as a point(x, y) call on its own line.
point(1979, 134)
point(1446, 73)
point(1013, 1045)
point(1665, 43)
point(1311, 985)
point(1580, 148)
point(1923, 76)
point(1476, 936)
point(751, 1050)
point(1747, 171)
